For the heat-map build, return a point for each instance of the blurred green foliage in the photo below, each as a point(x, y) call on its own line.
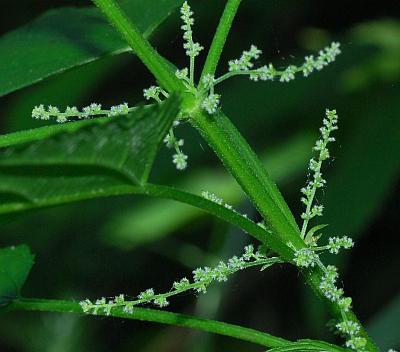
point(126, 244)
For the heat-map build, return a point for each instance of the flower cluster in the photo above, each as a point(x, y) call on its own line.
point(307, 257)
point(211, 103)
point(192, 49)
point(179, 158)
point(328, 285)
point(325, 57)
point(317, 181)
point(269, 72)
point(213, 198)
point(337, 243)
point(72, 113)
point(350, 329)
point(202, 278)
point(245, 62)
point(153, 92)
point(245, 66)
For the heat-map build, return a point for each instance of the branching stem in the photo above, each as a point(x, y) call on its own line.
point(220, 37)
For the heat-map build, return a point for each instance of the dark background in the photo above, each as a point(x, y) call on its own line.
point(128, 244)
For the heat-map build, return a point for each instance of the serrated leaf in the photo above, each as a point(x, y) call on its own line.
point(68, 37)
point(94, 155)
point(15, 265)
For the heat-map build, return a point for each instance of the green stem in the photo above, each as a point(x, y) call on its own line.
point(169, 318)
point(191, 71)
point(165, 192)
point(308, 345)
point(244, 165)
point(157, 65)
point(230, 74)
point(153, 315)
point(222, 212)
point(241, 161)
point(220, 36)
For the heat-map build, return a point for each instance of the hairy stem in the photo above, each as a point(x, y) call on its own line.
point(157, 65)
point(220, 36)
point(241, 161)
point(163, 317)
point(244, 165)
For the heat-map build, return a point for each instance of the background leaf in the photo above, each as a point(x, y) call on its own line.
point(69, 37)
point(384, 326)
point(15, 264)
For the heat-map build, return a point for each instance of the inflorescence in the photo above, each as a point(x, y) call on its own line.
point(308, 257)
point(209, 100)
point(214, 198)
point(245, 66)
point(202, 278)
point(179, 158)
point(72, 113)
point(204, 92)
point(317, 181)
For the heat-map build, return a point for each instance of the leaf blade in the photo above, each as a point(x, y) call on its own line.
point(68, 37)
point(84, 159)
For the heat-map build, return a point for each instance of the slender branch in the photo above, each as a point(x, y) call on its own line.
point(157, 316)
point(199, 283)
point(157, 65)
point(169, 318)
point(166, 192)
point(308, 345)
point(274, 73)
point(223, 213)
point(220, 36)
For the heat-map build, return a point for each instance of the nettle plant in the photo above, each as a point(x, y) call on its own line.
point(122, 141)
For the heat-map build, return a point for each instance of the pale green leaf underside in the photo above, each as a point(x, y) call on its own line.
point(64, 38)
point(15, 264)
point(98, 154)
